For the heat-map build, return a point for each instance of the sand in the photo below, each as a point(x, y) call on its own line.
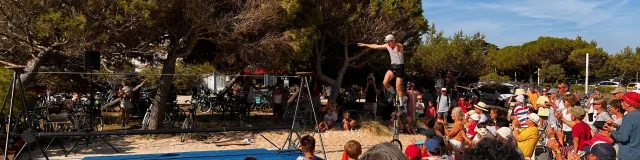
point(333, 143)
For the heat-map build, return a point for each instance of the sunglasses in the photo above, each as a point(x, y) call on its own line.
point(597, 104)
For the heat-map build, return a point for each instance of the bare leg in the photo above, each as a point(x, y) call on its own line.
point(123, 116)
point(399, 86)
point(352, 124)
point(387, 78)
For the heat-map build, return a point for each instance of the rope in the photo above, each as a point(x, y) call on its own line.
point(103, 73)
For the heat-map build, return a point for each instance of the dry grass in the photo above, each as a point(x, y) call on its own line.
point(375, 128)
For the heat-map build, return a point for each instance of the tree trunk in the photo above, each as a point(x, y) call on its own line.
point(33, 65)
point(164, 87)
point(531, 80)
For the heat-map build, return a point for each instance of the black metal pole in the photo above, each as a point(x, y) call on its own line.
point(8, 126)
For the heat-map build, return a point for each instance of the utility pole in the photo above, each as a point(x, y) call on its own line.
point(586, 76)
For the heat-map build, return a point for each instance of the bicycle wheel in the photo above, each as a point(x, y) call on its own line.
point(167, 118)
point(185, 125)
point(99, 124)
point(205, 107)
point(397, 143)
point(145, 121)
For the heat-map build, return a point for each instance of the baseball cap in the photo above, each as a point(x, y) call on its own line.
point(632, 98)
point(428, 132)
point(577, 112)
point(619, 90)
point(413, 151)
point(603, 151)
point(553, 91)
point(389, 37)
point(443, 89)
point(432, 145)
point(520, 98)
point(475, 117)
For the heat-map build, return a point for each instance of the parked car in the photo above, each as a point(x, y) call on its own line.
point(608, 84)
point(632, 86)
point(467, 92)
point(496, 94)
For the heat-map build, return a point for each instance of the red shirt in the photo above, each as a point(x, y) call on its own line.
point(471, 130)
point(431, 111)
point(583, 131)
point(463, 106)
point(412, 151)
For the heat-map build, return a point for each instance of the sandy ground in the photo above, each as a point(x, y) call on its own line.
point(333, 142)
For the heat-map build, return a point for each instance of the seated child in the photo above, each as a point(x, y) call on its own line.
point(329, 119)
point(352, 150)
point(421, 124)
point(308, 147)
point(348, 122)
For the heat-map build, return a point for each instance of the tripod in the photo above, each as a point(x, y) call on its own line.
point(92, 110)
point(28, 135)
point(292, 141)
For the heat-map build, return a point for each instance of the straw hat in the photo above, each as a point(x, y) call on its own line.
point(520, 92)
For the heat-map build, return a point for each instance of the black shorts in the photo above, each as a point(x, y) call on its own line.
point(398, 70)
point(278, 108)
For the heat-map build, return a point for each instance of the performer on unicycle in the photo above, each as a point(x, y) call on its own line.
point(397, 65)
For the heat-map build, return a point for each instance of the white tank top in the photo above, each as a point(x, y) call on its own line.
point(396, 57)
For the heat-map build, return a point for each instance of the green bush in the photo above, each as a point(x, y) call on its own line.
point(5, 79)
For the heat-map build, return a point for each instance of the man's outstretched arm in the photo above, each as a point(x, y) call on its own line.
point(373, 46)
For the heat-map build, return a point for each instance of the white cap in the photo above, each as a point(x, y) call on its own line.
point(534, 117)
point(504, 132)
point(389, 37)
point(475, 117)
point(520, 98)
point(443, 89)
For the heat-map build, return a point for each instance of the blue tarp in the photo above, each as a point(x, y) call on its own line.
point(261, 154)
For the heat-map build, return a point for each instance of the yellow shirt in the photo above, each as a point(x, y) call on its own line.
point(533, 97)
point(527, 140)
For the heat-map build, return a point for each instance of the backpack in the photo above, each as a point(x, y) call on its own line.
point(542, 152)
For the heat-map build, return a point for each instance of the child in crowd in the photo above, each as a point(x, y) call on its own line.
point(352, 150)
point(473, 122)
point(329, 121)
point(421, 124)
point(308, 147)
point(431, 110)
point(419, 107)
point(348, 122)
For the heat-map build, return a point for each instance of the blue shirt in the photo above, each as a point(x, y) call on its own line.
point(628, 136)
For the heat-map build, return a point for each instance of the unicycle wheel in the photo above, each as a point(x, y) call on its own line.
point(397, 143)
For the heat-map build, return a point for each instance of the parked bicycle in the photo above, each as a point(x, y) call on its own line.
point(188, 123)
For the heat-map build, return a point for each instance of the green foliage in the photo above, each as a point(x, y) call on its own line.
point(462, 54)
point(494, 77)
point(531, 55)
point(188, 75)
point(552, 72)
point(5, 79)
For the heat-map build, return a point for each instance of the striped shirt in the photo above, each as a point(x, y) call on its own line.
point(521, 113)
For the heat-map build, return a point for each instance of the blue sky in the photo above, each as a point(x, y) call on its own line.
point(614, 24)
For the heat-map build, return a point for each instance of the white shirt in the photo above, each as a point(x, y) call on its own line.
point(567, 116)
point(395, 56)
point(483, 118)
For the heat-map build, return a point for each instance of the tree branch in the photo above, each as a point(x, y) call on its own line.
point(8, 63)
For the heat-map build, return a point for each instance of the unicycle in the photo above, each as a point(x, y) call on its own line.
point(396, 136)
